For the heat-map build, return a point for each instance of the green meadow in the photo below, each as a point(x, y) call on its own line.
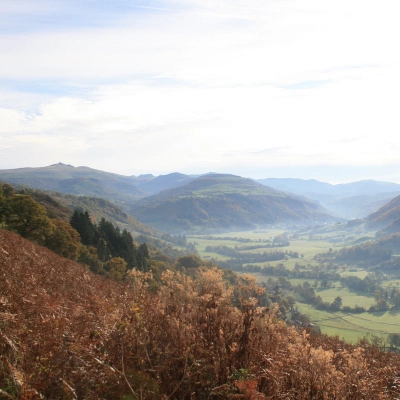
point(308, 244)
point(352, 327)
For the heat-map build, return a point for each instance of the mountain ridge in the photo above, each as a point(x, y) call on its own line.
point(348, 201)
point(345, 200)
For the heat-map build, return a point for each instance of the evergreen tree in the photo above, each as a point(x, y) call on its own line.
point(143, 258)
point(111, 235)
point(128, 249)
point(82, 223)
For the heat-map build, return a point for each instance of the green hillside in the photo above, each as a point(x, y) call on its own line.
point(224, 202)
point(62, 205)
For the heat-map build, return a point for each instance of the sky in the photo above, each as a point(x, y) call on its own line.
point(258, 88)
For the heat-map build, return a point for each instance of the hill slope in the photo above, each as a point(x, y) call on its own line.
point(62, 206)
point(68, 334)
point(224, 202)
point(386, 215)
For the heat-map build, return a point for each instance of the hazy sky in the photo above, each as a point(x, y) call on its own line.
point(258, 88)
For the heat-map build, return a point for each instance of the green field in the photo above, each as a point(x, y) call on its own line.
point(352, 327)
point(307, 244)
point(305, 247)
point(349, 297)
point(228, 239)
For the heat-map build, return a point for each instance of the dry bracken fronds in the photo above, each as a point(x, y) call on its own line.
point(66, 333)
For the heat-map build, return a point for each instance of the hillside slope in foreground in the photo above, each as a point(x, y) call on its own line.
point(68, 334)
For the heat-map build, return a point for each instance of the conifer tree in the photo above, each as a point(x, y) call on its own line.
point(82, 223)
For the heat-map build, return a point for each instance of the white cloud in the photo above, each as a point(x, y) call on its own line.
point(203, 85)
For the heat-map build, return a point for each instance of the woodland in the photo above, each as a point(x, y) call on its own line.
point(89, 312)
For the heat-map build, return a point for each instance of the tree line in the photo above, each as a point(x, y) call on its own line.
point(103, 247)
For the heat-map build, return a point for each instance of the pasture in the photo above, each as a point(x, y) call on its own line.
point(306, 245)
point(353, 327)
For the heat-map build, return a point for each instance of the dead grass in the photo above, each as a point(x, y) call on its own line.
point(68, 334)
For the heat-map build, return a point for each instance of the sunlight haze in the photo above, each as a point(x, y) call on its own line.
point(302, 89)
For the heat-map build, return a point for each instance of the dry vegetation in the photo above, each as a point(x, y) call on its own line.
point(66, 333)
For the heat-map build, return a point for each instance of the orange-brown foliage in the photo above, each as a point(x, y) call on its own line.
point(68, 334)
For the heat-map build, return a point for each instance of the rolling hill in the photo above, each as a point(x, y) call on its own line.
point(74, 180)
point(85, 181)
point(218, 202)
point(172, 204)
point(349, 201)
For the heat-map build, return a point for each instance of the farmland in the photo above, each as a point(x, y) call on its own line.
point(297, 265)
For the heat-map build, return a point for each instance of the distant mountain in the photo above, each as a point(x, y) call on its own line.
point(224, 202)
point(75, 180)
point(155, 184)
point(297, 186)
point(85, 181)
point(349, 200)
point(366, 187)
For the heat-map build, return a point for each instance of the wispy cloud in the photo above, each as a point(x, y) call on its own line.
point(306, 85)
point(198, 85)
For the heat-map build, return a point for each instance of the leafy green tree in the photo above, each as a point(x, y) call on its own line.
point(395, 299)
point(381, 305)
point(25, 216)
point(7, 190)
point(336, 304)
point(291, 302)
point(63, 239)
point(116, 269)
point(324, 283)
point(394, 340)
point(190, 261)
point(88, 256)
